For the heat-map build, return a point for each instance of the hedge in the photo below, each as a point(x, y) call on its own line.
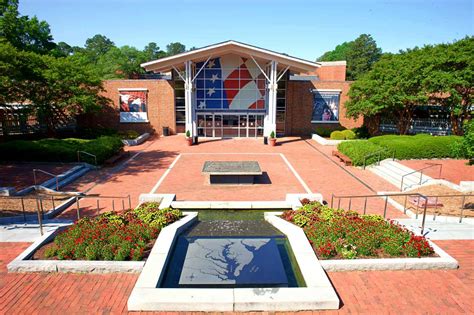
point(358, 149)
point(60, 150)
point(420, 146)
point(404, 147)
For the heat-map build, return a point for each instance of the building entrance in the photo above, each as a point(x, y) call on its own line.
point(230, 125)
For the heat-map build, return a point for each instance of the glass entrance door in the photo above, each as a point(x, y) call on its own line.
point(230, 125)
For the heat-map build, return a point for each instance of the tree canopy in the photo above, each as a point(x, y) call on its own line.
point(440, 74)
point(360, 55)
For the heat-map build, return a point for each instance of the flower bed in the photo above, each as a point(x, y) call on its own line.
point(340, 234)
point(111, 236)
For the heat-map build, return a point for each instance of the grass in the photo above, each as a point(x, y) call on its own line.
point(60, 150)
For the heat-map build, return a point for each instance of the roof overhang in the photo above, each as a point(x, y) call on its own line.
point(202, 54)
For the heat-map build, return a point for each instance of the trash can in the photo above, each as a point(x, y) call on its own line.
point(166, 131)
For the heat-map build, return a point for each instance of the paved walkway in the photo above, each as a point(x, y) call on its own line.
point(371, 292)
point(318, 171)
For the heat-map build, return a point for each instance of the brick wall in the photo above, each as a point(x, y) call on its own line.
point(299, 106)
point(160, 107)
point(331, 71)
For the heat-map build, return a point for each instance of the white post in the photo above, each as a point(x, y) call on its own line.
point(270, 117)
point(188, 97)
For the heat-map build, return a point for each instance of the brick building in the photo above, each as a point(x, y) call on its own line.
point(230, 89)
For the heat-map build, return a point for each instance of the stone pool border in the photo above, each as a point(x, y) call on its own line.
point(319, 293)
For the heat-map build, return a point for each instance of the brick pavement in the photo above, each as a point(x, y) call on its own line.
point(370, 292)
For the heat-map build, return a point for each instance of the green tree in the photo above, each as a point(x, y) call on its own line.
point(51, 86)
point(97, 46)
point(397, 83)
point(175, 48)
point(24, 33)
point(360, 55)
point(152, 52)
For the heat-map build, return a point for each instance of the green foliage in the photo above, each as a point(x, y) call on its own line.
point(360, 55)
point(175, 48)
point(356, 150)
point(421, 146)
point(337, 135)
point(465, 147)
point(188, 133)
point(112, 236)
point(361, 132)
point(63, 150)
point(348, 235)
point(272, 134)
point(325, 131)
point(397, 83)
point(349, 134)
point(23, 32)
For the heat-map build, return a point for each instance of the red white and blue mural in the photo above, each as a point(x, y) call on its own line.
point(230, 83)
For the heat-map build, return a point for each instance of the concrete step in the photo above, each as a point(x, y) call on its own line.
point(393, 172)
point(67, 177)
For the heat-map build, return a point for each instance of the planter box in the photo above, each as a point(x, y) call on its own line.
point(324, 141)
point(138, 140)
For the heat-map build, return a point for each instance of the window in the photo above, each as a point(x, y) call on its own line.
point(133, 105)
point(179, 102)
point(326, 106)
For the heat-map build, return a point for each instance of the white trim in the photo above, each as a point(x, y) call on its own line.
point(298, 177)
point(325, 121)
point(326, 90)
point(333, 63)
point(269, 53)
point(162, 178)
point(132, 89)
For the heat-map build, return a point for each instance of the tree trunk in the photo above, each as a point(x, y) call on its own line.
point(372, 123)
point(404, 119)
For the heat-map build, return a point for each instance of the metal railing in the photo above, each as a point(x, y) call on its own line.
point(421, 173)
point(40, 209)
point(98, 197)
point(88, 154)
point(406, 195)
point(47, 173)
point(379, 156)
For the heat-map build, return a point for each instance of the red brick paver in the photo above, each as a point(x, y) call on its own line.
point(453, 170)
point(371, 292)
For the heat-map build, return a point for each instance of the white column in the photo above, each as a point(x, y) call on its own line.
point(270, 117)
point(188, 98)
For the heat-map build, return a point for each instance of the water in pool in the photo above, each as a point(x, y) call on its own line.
point(231, 249)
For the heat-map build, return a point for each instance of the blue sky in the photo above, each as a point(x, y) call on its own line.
point(304, 29)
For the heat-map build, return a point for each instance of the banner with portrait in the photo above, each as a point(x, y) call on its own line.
point(325, 106)
point(133, 105)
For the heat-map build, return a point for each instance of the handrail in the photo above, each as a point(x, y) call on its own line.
point(387, 195)
point(47, 173)
point(86, 153)
point(379, 156)
point(98, 197)
point(421, 173)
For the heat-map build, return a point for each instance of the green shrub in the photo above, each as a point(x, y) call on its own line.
point(337, 135)
point(349, 134)
point(465, 147)
point(325, 131)
point(348, 235)
point(421, 146)
point(356, 150)
point(60, 150)
point(361, 132)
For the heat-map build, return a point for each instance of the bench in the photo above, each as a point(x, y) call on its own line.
point(231, 172)
point(342, 157)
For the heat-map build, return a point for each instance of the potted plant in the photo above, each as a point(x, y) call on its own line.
point(272, 139)
point(189, 139)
